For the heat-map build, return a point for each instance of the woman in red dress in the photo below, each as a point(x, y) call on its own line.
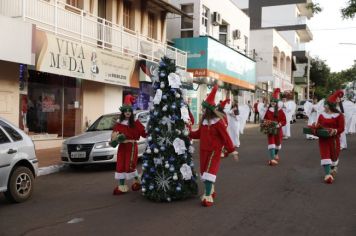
point(127, 152)
point(213, 136)
point(275, 114)
point(329, 147)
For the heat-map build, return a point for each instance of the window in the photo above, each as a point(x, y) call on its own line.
point(75, 3)
point(13, 133)
point(128, 15)
point(151, 26)
point(204, 20)
point(246, 44)
point(3, 137)
point(187, 22)
point(223, 34)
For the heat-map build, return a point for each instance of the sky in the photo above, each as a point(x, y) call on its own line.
point(329, 30)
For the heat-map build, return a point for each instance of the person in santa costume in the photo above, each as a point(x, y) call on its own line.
point(275, 113)
point(221, 109)
point(213, 136)
point(127, 153)
point(329, 147)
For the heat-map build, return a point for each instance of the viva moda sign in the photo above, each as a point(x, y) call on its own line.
point(65, 57)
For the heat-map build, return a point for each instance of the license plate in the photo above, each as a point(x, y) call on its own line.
point(78, 155)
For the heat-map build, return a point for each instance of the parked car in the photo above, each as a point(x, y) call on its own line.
point(18, 163)
point(93, 146)
point(300, 114)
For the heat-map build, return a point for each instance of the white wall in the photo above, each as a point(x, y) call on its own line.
point(113, 98)
point(16, 43)
point(230, 13)
point(263, 41)
point(242, 4)
point(281, 15)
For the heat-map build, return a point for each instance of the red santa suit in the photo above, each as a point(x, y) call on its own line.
point(212, 137)
point(275, 141)
point(127, 152)
point(330, 147)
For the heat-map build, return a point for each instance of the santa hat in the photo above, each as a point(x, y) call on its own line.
point(222, 104)
point(129, 99)
point(275, 95)
point(332, 99)
point(209, 102)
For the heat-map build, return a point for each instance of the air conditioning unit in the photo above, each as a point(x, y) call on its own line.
point(216, 18)
point(236, 34)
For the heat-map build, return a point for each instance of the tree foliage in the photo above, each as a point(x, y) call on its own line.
point(315, 7)
point(350, 10)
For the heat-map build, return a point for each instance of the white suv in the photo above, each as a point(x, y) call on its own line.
point(18, 163)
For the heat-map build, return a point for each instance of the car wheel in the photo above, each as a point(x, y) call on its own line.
point(20, 186)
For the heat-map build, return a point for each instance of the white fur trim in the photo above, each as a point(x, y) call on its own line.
point(335, 163)
point(209, 177)
point(120, 175)
point(131, 175)
point(271, 146)
point(279, 147)
point(213, 121)
point(325, 162)
point(329, 116)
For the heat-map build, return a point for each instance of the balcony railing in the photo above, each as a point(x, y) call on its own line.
point(77, 24)
point(281, 75)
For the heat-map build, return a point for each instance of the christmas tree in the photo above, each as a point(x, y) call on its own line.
point(167, 164)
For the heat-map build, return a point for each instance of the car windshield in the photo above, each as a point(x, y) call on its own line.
point(106, 122)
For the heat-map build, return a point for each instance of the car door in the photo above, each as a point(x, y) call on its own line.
point(6, 155)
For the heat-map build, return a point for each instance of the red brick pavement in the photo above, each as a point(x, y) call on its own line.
point(49, 157)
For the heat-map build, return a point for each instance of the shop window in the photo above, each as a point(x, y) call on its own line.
point(13, 133)
point(51, 106)
point(3, 137)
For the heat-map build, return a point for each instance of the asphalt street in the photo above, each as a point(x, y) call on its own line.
point(252, 199)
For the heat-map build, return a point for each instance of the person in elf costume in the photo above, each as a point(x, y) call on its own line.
point(221, 109)
point(275, 113)
point(329, 147)
point(126, 132)
point(213, 136)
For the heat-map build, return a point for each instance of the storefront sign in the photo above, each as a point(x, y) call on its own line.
point(61, 56)
point(209, 58)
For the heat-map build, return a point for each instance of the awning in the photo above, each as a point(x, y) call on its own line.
point(169, 7)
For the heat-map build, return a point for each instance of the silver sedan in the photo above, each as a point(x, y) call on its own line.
point(93, 147)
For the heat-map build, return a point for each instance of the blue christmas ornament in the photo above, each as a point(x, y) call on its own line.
point(151, 187)
point(164, 97)
point(171, 159)
point(173, 90)
point(178, 188)
point(143, 181)
point(157, 129)
point(152, 170)
point(171, 169)
point(145, 164)
point(162, 74)
point(163, 148)
point(146, 176)
point(155, 113)
point(162, 64)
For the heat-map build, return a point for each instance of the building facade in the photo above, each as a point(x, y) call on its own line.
point(67, 62)
point(290, 19)
point(216, 38)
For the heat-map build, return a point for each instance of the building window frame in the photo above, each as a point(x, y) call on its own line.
point(187, 31)
point(151, 26)
point(205, 20)
point(127, 15)
point(223, 33)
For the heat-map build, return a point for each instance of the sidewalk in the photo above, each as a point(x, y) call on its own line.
point(49, 157)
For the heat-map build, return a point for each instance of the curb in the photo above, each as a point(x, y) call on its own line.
point(50, 169)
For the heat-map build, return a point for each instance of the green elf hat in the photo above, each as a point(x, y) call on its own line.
point(275, 95)
point(209, 102)
point(332, 99)
point(127, 106)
